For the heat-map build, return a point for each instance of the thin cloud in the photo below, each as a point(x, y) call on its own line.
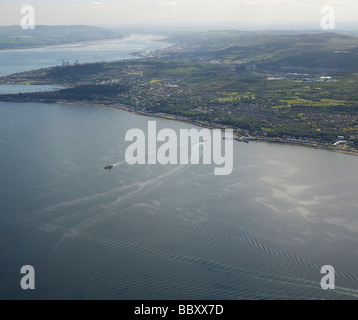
point(168, 3)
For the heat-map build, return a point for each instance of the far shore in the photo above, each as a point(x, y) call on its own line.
point(87, 42)
point(49, 45)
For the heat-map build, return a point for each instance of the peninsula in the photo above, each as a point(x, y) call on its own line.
point(283, 88)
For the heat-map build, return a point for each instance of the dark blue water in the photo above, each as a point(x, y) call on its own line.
point(167, 232)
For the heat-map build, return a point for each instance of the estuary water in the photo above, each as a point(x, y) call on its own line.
point(163, 232)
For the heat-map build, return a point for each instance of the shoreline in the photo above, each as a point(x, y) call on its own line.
point(80, 43)
point(236, 136)
point(71, 43)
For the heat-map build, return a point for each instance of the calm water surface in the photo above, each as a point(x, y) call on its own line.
point(163, 232)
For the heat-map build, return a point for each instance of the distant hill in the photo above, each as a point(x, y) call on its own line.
point(14, 37)
point(271, 51)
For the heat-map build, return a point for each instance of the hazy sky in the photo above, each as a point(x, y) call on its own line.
point(54, 12)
